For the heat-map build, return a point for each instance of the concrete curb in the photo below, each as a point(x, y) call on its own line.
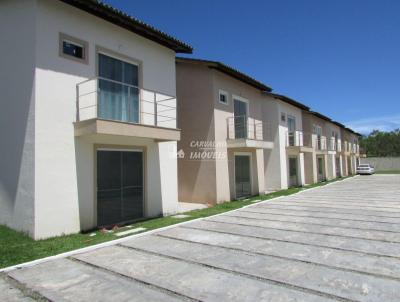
point(117, 241)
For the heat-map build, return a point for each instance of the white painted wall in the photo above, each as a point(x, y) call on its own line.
point(17, 114)
point(276, 160)
point(41, 169)
point(272, 158)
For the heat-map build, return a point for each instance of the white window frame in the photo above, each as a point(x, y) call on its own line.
point(226, 94)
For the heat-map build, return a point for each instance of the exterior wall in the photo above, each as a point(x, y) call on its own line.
point(197, 178)
point(332, 154)
point(203, 118)
point(41, 186)
point(222, 113)
point(55, 92)
point(311, 172)
point(17, 114)
point(383, 163)
point(295, 112)
point(273, 159)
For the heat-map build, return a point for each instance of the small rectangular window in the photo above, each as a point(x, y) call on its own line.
point(223, 97)
point(283, 117)
point(73, 48)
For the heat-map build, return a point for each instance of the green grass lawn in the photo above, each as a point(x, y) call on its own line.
point(388, 172)
point(16, 247)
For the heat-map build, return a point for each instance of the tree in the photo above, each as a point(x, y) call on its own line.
point(381, 144)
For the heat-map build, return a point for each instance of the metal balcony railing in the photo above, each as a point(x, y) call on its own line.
point(319, 142)
point(333, 144)
point(116, 101)
point(294, 138)
point(248, 128)
point(300, 138)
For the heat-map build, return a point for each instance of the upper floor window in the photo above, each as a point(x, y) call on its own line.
point(223, 97)
point(317, 130)
point(73, 48)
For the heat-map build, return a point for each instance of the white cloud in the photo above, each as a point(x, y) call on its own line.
point(383, 123)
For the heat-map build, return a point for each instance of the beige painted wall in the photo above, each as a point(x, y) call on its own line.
point(197, 179)
point(203, 118)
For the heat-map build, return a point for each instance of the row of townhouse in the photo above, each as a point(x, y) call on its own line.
point(95, 105)
point(263, 141)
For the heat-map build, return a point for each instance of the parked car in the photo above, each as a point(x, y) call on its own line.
point(365, 169)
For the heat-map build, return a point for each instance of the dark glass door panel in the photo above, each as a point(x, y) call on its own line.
point(242, 176)
point(338, 174)
point(293, 172)
point(119, 186)
point(132, 185)
point(320, 168)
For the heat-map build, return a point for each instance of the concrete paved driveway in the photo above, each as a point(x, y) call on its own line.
point(336, 243)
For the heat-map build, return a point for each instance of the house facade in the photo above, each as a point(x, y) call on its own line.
point(102, 124)
point(284, 164)
point(350, 151)
point(315, 136)
point(91, 127)
point(221, 115)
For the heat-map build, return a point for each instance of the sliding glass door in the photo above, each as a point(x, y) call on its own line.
point(118, 97)
point(120, 191)
point(242, 176)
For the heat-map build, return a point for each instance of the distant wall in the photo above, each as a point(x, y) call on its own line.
point(383, 163)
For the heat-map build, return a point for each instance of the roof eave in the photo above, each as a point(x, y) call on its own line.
point(118, 18)
point(289, 101)
point(227, 70)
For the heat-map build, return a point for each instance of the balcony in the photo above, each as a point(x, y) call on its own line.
point(333, 145)
point(320, 143)
point(106, 106)
point(299, 141)
point(244, 132)
point(346, 147)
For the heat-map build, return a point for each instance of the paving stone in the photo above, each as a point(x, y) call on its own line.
point(373, 264)
point(10, 293)
point(344, 284)
point(320, 221)
point(304, 227)
point(193, 280)
point(390, 249)
point(339, 241)
point(67, 280)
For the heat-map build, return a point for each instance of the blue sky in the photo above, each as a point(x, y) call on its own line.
point(341, 58)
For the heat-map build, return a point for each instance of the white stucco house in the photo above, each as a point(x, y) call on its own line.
point(88, 122)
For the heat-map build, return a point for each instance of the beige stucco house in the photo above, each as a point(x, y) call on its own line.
point(350, 151)
point(90, 127)
point(224, 132)
point(335, 149)
point(238, 138)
